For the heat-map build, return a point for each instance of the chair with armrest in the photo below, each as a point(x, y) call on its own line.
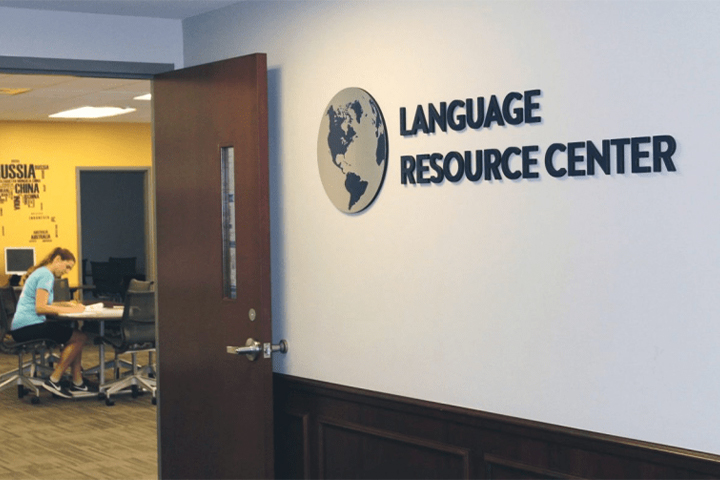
point(137, 334)
point(25, 377)
point(8, 303)
point(61, 290)
point(148, 370)
point(112, 330)
point(136, 285)
point(85, 272)
point(126, 267)
point(42, 364)
point(108, 281)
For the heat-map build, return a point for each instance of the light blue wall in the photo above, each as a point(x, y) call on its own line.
point(78, 36)
point(588, 301)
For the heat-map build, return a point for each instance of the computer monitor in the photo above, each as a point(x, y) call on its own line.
point(18, 260)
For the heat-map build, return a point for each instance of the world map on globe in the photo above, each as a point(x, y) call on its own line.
point(352, 150)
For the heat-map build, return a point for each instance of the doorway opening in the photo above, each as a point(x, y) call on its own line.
point(114, 222)
point(141, 435)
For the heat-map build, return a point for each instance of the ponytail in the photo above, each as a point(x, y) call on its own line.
point(63, 253)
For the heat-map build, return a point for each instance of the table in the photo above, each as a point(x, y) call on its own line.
point(100, 316)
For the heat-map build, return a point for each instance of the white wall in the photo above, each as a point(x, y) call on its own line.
point(587, 302)
point(82, 36)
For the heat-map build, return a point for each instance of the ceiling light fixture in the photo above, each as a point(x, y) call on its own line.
point(92, 112)
point(147, 96)
point(13, 91)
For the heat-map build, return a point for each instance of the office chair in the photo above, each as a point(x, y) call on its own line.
point(112, 330)
point(41, 365)
point(137, 334)
point(61, 293)
point(61, 290)
point(136, 285)
point(107, 280)
point(126, 267)
point(26, 381)
point(8, 304)
point(85, 273)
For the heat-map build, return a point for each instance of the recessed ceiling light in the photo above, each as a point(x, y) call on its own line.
point(147, 96)
point(92, 112)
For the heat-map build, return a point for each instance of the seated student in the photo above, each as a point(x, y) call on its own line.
point(29, 322)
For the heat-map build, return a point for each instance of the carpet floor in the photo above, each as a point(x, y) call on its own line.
point(60, 439)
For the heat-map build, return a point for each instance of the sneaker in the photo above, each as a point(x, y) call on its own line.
point(83, 388)
point(57, 389)
point(79, 388)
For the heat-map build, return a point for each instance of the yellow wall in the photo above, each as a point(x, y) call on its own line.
point(46, 216)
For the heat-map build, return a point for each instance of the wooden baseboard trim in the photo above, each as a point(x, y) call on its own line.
point(377, 435)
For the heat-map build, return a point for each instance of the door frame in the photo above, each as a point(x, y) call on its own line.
point(82, 68)
point(99, 69)
point(149, 206)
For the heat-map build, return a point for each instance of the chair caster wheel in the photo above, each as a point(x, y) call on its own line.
point(101, 396)
point(154, 401)
point(35, 400)
point(21, 391)
point(135, 391)
point(109, 402)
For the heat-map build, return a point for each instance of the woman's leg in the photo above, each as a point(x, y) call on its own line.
point(76, 366)
point(71, 356)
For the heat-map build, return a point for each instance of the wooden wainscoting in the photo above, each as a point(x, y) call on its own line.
point(332, 431)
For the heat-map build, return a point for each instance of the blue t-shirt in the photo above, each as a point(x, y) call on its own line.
point(25, 313)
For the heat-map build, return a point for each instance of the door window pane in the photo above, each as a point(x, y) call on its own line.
point(227, 161)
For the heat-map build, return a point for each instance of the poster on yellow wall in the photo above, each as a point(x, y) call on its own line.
point(22, 190)
point(39, 162)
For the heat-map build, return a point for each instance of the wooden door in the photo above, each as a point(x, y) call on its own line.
point(215, 408)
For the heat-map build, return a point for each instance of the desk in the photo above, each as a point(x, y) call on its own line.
point(99, 316)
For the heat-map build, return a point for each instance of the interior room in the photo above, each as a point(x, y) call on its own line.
point(91, 178)
point(50, 158)
point(528, 291)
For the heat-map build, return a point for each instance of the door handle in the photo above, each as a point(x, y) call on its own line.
point(253, 348)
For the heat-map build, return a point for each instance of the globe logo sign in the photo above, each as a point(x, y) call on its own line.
point(352, 150)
